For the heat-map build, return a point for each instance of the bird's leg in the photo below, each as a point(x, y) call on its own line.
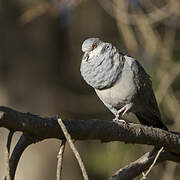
point(116, 119)
point(123, 110)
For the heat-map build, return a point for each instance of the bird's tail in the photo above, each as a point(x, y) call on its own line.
point(151, 121)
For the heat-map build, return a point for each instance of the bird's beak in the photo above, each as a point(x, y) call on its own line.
point(86, 56)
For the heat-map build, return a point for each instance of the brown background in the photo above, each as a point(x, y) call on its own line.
point(40, 55)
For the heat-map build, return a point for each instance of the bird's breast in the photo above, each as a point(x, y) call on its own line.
point(122, 92)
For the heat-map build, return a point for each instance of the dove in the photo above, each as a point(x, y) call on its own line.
point(120, 82)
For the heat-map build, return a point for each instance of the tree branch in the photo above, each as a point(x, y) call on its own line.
point(9, 139)
point(60, 160)
point(23, 142)
point(135, 168)
point(93, 129)
point(36, 128)
point(76, 153)
point(153, 164)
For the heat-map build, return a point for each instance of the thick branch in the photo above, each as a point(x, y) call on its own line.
point(36, 128)
point(105, 131)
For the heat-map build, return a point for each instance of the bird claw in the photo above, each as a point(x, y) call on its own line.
point(123, 110)
point(116, 120)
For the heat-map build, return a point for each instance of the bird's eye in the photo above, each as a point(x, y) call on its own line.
point(94, 46)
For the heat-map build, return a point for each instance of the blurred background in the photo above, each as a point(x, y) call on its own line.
point(40, 55)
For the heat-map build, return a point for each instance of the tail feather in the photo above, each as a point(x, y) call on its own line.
point(151, 121)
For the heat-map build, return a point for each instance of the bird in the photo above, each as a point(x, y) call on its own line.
point(120, 82)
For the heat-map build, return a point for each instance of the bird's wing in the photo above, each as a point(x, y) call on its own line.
point(148, 112)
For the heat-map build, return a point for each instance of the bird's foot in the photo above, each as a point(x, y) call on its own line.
point(117, 120)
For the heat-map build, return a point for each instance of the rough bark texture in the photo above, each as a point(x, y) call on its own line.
point(92, 129)
point(36, 128)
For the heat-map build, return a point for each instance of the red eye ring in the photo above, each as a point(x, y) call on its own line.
point(94, 46)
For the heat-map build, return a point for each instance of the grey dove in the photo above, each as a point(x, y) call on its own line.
point(120, 82)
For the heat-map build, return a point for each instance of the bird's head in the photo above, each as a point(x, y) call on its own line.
point(94, 47)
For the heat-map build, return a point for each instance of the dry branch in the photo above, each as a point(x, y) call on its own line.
point(152, 165)
point(136, 168)
point(60, 160)
point(75, 151)
point(36, 128)
point(93, 129)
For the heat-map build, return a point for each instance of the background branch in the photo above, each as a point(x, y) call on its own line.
point(142, 164)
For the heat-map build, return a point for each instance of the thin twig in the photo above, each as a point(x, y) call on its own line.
point(152, 165)
point(7, 165)
point(60, 160)
point(76, 153)
point(7, 152)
